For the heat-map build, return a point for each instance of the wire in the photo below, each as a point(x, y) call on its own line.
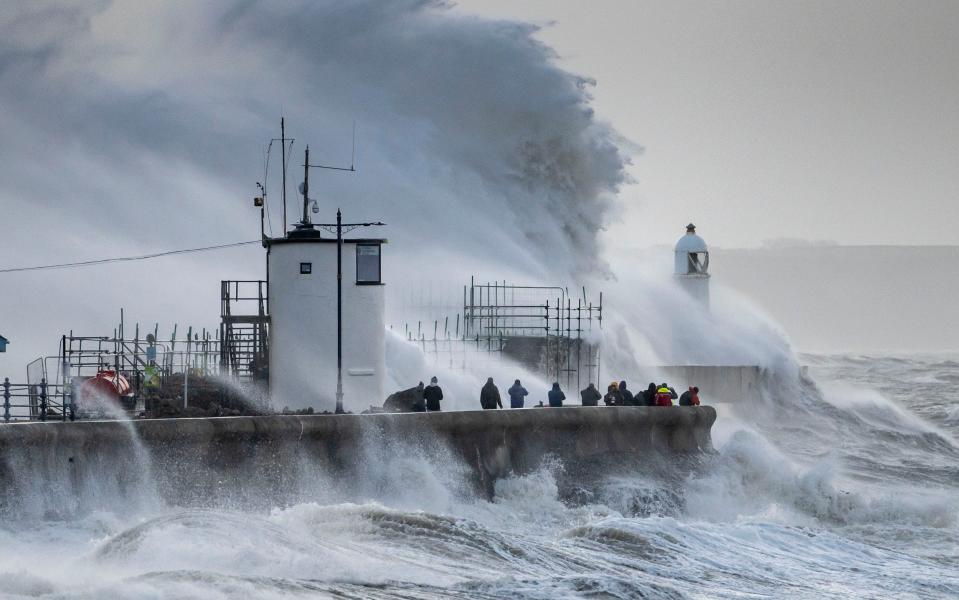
point(101, 261)
point(266, 175)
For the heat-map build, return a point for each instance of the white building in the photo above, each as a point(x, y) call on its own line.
point(692, 265)
point(302, 273)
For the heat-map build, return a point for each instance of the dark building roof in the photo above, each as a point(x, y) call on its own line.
point(312, 236)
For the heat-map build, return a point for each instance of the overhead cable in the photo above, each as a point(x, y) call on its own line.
point(102, 261)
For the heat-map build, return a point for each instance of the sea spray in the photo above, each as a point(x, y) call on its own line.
point(82, 476)
point(407, 365)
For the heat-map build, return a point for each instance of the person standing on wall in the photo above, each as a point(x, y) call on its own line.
point(627, 396)
point(664, 396)
point(556, 396)
point(433, 394)
point(590, 396)
point(649, 394)
point(489, 396)
point(612, 397)
point(419, 401)
point(690, 397)
point(517, 395)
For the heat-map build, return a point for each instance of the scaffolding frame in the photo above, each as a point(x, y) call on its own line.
point(497, 317)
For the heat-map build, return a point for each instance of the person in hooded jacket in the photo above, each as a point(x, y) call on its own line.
point(517, 393)
point(419, 404)
point(590, 396)
point(690, 397)
point(665, 395)
point(649, 394)
point(433, 394)
point(489, 396)
point(556, 396)
point(612, 397)
point(625, 394)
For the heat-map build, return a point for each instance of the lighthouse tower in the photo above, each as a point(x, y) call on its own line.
point(692, 265)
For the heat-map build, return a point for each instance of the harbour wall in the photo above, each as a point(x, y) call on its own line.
point(54, 468)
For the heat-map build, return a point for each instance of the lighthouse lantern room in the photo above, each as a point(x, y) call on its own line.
point(692, 265)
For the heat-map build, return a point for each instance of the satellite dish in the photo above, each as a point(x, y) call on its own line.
point(302, 187)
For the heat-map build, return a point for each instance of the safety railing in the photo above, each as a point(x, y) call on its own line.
point(36, 402)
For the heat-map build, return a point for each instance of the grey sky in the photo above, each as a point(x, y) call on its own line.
point(815, 120)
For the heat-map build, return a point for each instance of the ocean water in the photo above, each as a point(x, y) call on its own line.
point(841, 484)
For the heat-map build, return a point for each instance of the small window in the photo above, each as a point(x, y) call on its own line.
point(306, 268)
point(697, 262)
point(368, 264)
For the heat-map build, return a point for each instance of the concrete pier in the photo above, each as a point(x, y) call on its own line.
point(55, 466)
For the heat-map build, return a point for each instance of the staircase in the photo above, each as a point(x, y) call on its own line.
point(244, 330)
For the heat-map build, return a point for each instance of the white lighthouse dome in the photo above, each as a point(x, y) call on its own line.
point(691, 242)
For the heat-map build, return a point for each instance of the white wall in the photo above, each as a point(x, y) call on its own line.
point(303, 329)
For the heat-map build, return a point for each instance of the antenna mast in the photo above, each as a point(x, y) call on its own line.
point(306, 178)
point(306, 185)
point(283, 157)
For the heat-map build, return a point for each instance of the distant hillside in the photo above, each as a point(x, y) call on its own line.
point(852, 298)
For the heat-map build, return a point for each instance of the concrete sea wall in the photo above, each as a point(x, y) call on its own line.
point(60, 467)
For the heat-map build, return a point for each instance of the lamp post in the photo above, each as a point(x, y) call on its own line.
point(338, 229)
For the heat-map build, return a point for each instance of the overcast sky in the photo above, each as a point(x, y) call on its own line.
point(834, 120)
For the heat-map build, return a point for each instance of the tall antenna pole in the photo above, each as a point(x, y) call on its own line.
point(283, 157)
point(306, 185)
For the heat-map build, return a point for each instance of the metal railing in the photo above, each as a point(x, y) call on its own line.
point(37, 402)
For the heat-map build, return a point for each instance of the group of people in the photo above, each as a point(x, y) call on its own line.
point(617, 394)
point(428, 398)
point(490, 398)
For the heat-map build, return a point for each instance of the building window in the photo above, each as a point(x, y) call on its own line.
point(368, 264)
point(306, 268)
point(697, 262)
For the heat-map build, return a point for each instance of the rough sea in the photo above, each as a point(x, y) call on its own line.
point(841, 484)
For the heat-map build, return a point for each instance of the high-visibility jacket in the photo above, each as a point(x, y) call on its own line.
point(664, 397)
point(151, 377)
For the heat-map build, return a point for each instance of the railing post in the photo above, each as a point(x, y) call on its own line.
point(43, 399)
point(72, 407)
point(6, 399)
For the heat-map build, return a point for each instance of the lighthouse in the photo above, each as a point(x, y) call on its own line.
point(692, 265)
